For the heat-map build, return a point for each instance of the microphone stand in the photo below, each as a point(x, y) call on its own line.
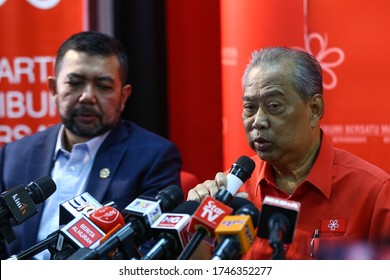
point(193, 244)
point(278, 225)
point(37, 248)
point(6, 231)
point(121, 241)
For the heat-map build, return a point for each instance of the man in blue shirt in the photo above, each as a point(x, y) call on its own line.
point(92, 150)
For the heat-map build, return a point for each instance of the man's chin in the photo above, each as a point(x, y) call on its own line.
point(264, 156)
point(88, 131)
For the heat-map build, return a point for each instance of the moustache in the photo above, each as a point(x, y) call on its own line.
point(84, 110)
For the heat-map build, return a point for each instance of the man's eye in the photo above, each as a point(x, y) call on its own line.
point(249, 108)
point(74, 83)
point(104, 87)
point(274, 107)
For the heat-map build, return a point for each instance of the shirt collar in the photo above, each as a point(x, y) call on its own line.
point(320, 175)
point(93, 144)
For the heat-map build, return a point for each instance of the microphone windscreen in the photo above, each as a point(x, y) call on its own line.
point(252, 211)
point(238, 202)
point(170, 197)
point(40, 189)
point(238, 174)
point(243, 168)
point(188, 207)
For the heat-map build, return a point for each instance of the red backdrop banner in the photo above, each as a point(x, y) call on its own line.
point(350, 40)
point(246, 26)
point(30, 33)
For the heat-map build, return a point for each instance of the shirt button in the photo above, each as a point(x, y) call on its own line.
point(72, 168)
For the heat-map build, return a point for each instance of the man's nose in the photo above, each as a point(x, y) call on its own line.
point(261, 120)
point(88, 95)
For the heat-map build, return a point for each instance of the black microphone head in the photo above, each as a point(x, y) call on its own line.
point(251, 210)
point(170, 197)
point(281, 211)
point(243, 168)
point(238, 202)
point(188, 207)
point(40, 189)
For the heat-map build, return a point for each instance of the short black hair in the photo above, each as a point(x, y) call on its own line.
point(94, 43)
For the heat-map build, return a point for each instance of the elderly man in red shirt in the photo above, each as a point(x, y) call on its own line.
point(344, 199)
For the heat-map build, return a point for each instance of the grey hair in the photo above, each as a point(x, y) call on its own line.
point(307, 76)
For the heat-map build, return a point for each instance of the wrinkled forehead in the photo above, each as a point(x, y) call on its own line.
point(269, 75)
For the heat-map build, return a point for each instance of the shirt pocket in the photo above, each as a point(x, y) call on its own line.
point(338, 247)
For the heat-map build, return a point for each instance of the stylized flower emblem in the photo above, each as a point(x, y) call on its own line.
point(333, 224)
point(322, 56)
point(329, 58)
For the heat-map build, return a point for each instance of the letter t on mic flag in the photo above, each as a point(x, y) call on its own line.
point(203, 223)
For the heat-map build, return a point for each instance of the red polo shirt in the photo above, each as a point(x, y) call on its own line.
point(344, 197)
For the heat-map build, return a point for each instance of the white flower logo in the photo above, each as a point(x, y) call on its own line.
point(317, 45)
point(333, 224)
point(328, 57)
point(323, 57)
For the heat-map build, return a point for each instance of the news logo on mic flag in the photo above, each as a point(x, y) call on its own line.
point(150, 208)
point(83, 204)
point(240, 226)
point(107, 218)
point(19, 203)
point(178, 222)
point(208, 215)
point(82, 232)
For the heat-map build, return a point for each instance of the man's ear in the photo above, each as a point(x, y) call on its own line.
point(51, 83)
point(125, 94)
point(317, 107)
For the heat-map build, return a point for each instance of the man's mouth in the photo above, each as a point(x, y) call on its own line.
point(261, 144)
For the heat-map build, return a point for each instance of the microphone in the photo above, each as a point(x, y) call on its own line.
point(19, 204)
point(139, 215)
point(83, 204)
point(146, 210)
point(205, 220)
point(277, 223)
point(236, 233)
point(238, 174)
point(212, 210)
point(203, 223)
point(84, 232)
point(107, 218)
point(170, 232)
